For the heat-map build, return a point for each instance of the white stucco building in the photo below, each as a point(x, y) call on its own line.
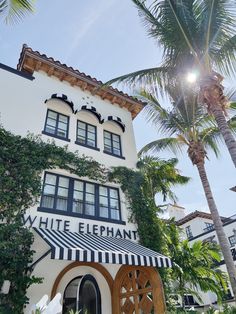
point(86, 248)
point(198, 225)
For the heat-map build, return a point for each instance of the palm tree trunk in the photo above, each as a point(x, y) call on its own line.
point(225, 131)
point(223, 241)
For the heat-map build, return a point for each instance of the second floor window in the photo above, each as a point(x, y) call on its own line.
point(86, 134)
point(112, 144)
point(189, 232)
point(79, 198)
point(209, 226)
point(56, 124)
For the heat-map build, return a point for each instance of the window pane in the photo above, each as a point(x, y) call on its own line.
point(61, 133)
point(64, 182)
point(50, 178)
point(62, 126)
point(77, 207)
point(61, 203)
point(115, 138)
point(91, 136)
point(114, 203)
point(49, 189)
point(107, 148)
point(51, 122)
point(78, 185)
point(113, 193)
point(50, 129)
point(81, 125)
point(107, 142)
point(78, 195)
point(107, 135)
point(90, 198)
point(116, 145)
point(91, 143)
point(63, 119)
point(47, 201)
point(89, 187)
point(103, 190)
point(62, 192)
point(91, 128)
point(103, 201)
point(89, 209)
point(115, 214)
point(81, 133)
point(52, 114)
point(116, 151)
point(104, 212)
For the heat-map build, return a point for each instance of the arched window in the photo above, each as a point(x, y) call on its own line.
point(82, 294)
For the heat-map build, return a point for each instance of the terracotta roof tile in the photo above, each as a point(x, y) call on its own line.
point(22, 65)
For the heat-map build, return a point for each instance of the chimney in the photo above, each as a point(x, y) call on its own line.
point(176, 211)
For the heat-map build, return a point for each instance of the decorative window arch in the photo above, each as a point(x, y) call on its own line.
point(93, 111)
point(118, 121)
point(63, 98)
point(137, 290)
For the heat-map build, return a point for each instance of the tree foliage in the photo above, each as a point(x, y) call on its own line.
point(22, 161)
point(15, 10)
point(194, 266)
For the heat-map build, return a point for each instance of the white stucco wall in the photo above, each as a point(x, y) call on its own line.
point(23, 110)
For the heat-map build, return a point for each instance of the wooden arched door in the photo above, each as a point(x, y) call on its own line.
point(138, 290)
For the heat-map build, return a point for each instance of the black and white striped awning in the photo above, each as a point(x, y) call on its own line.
point(84, 247)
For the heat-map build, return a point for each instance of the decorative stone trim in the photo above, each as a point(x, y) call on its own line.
point(118, 121)
point(64, 98)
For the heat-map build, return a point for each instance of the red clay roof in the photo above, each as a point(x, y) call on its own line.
point(31, 61)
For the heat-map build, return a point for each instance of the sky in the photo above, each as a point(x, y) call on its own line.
point(105, 39)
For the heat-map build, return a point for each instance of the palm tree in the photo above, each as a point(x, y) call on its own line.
point(15, 10)
point(196, 36)
point(194, 266)
point(160, 177)
point(186, 126)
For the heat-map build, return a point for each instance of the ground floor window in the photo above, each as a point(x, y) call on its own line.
point(82, 294)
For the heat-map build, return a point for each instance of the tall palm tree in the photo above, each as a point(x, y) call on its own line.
point(160, 177)
point(186, 126)
point(194, 266)
point(15, 10)
point(195, 35)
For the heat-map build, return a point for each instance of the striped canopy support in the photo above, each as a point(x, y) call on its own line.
point(84, 247)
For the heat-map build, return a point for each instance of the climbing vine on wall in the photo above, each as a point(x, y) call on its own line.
point(143, 209)
point(22, 162)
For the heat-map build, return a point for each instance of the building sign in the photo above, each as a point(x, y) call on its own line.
point(81, 227)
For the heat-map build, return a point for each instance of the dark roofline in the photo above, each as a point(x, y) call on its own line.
point(194, 215)
point(16, 72)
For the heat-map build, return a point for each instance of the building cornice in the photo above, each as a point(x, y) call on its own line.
point(194, 215)
point(31, 61)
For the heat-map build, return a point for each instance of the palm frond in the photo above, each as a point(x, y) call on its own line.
point(152, 78)
point(225, 56)
point(157, 146)
point(15, 10)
